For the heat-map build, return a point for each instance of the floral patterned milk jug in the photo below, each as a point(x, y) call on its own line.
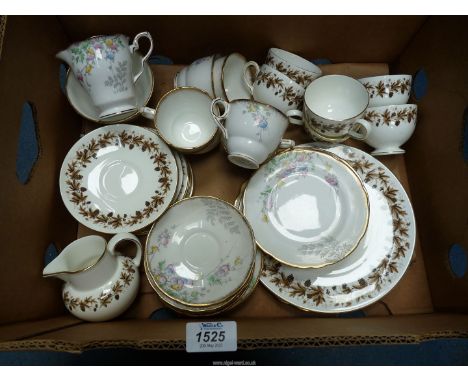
point(103, 66)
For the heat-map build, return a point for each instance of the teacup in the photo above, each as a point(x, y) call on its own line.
point(182, 119)
point(103, 66)
point(198, 74)
point(216, 76)
point(333, 107)
point(392, 126)
point(274, 88)
point(300, 70)
point(252, 130)
point(388, 90)
point(180, 78)
point(232, 74)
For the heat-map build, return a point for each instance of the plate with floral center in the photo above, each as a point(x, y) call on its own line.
point(118, 178)
point(377, 264)
point(200, 252)
point(224, 306)
point(308, 208)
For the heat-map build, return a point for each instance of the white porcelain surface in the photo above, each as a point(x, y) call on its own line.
point(200, 251)
point(374, 268)
point(184, 179)
point(388, 90)
point(183, 119)
point(392, 126)
point(104, 68)
point(223, 306)
point(302, 71)
point(83, 104)
point(99, 284)
point(216, 77)
point(307, 208)
point(252, 130)
point(198, 74)
point(274, 88)
point(118, 178)
point(233, 78)
point(180, 78)
point(334, 105)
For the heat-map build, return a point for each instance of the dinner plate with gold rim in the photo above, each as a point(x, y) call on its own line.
point(83, 105)
point(308, 208)
point(200, 252)
point(377, 264)
point(118, 178)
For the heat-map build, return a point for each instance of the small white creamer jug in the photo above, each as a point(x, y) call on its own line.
point(99, 283)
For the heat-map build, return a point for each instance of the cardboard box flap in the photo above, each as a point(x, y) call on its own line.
point(438, 172)
point(252, 334)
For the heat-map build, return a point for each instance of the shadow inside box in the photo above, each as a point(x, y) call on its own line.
point(433, 352)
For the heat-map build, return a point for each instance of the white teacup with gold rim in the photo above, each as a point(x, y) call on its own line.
point(300, 70)
point(252, 130)
point(183, 120)
point(388, 90)
point(198, 74)
point(103, 66)
point(274, 88)
point(333, 107)
point(392, 126)
point(216, 76)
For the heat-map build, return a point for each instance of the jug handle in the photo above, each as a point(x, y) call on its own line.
point(134, 47)
point(125, 236)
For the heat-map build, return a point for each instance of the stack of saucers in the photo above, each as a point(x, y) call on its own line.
point(184, 187)
point(335, 225)
point(201, 257)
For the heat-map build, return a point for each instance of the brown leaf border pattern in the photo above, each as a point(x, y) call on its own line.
point(301, 77)
point(393, 263)
point(389, 116)
point(83, 156)
point(388, 88)
point(287, 93)
point(323, 128)
point(107, 296)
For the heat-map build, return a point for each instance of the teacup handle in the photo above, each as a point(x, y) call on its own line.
point(356, 131)
point(247, 77)
point(296, 117)
point(222, 117)
point(126, 236)
point(148, 112)
point(134, 47)
point(287, 144)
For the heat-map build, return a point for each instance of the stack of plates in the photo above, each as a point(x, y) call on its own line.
point(201, 257)
point(336, 226)
point(121, 178)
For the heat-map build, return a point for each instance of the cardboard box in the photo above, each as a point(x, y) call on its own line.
point(429, 302)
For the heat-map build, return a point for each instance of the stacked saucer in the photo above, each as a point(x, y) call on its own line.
point(201, 257)
point(323, 271)
point(121, 178)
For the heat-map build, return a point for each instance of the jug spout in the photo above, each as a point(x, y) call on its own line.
point(78, 262)
point(60, 275)
point(65, 55)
